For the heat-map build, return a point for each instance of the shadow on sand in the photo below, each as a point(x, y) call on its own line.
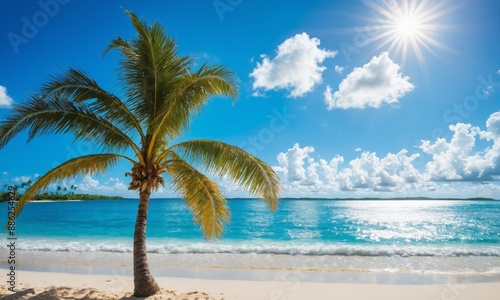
point(66, 293)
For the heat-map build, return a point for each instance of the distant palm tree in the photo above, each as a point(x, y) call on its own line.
point(72, 188)
point(161, 93)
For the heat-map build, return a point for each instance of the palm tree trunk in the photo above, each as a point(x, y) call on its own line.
point(144, 283)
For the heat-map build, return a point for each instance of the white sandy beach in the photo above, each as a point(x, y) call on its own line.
point(106, 275)
point(53, 285)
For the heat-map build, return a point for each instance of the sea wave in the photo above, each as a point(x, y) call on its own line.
point(260, 247)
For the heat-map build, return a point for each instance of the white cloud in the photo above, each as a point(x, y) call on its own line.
point(369, 172)
point(297, 176)
point(459, 159)
point(498, 72)
point(358, 149)
point(292, 163)
point(88, 184)
point(112, 186)
point(296, 66)
point(5, 100)
point(389, 173)
point(22, 179)
point(450, 158)
point(493, 125)
point(339, 69)
point(5, 173)
point(376, 83)
point(454, 168)
point(117, 184)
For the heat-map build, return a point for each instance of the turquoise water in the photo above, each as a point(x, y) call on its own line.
point(309, 227)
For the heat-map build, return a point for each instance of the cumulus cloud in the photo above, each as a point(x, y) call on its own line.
point(112, 186)
point(376, 83)
point(296, 67)
point(493, 126)
point(292, 163)
point(116, 187)
point(339, 69)
point(368, 172)
point(5, 100)
point(389, 173)
point(21, 179)
point(458, 159)
point(117, 184)
point(446, 165)
point(292, 167)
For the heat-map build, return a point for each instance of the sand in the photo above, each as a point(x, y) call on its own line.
point(102, 275)
point(55, 285)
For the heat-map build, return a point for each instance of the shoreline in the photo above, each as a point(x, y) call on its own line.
point(102, 275)
point(324, 268)
point(224, 273)
point(60, 285)
point(431, 268)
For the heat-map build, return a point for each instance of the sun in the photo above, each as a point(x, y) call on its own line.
point(407, 27)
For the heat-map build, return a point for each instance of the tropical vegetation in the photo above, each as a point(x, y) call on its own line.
point(58, 193)
point(160, 93)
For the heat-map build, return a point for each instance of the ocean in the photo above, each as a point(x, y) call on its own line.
point(405, 232)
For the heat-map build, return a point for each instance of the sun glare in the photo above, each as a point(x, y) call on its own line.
point(407, 27)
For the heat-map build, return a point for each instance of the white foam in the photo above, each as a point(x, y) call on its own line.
point(258, 247)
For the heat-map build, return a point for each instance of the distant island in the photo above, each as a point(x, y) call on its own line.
point(58, 196)
point(58, 193)
point(73, 196)
point(375, 198)
point(393, 198)
point(353, 199)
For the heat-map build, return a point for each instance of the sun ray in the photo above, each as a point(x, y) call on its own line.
point(408, 27)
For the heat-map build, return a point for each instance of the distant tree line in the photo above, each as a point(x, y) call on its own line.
point(60, 193)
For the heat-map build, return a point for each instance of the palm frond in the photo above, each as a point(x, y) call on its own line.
point(160, 87)
point(193, 91)
point(245, 169)
point(150, 67)
point(89, 164)
point(206, 202)
point(76, 86)
point(56, 115)
point(123, 46)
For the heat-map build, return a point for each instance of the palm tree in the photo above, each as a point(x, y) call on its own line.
point(72, 188)
point(161, 92)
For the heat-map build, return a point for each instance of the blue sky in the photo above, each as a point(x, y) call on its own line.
point(382, 98)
